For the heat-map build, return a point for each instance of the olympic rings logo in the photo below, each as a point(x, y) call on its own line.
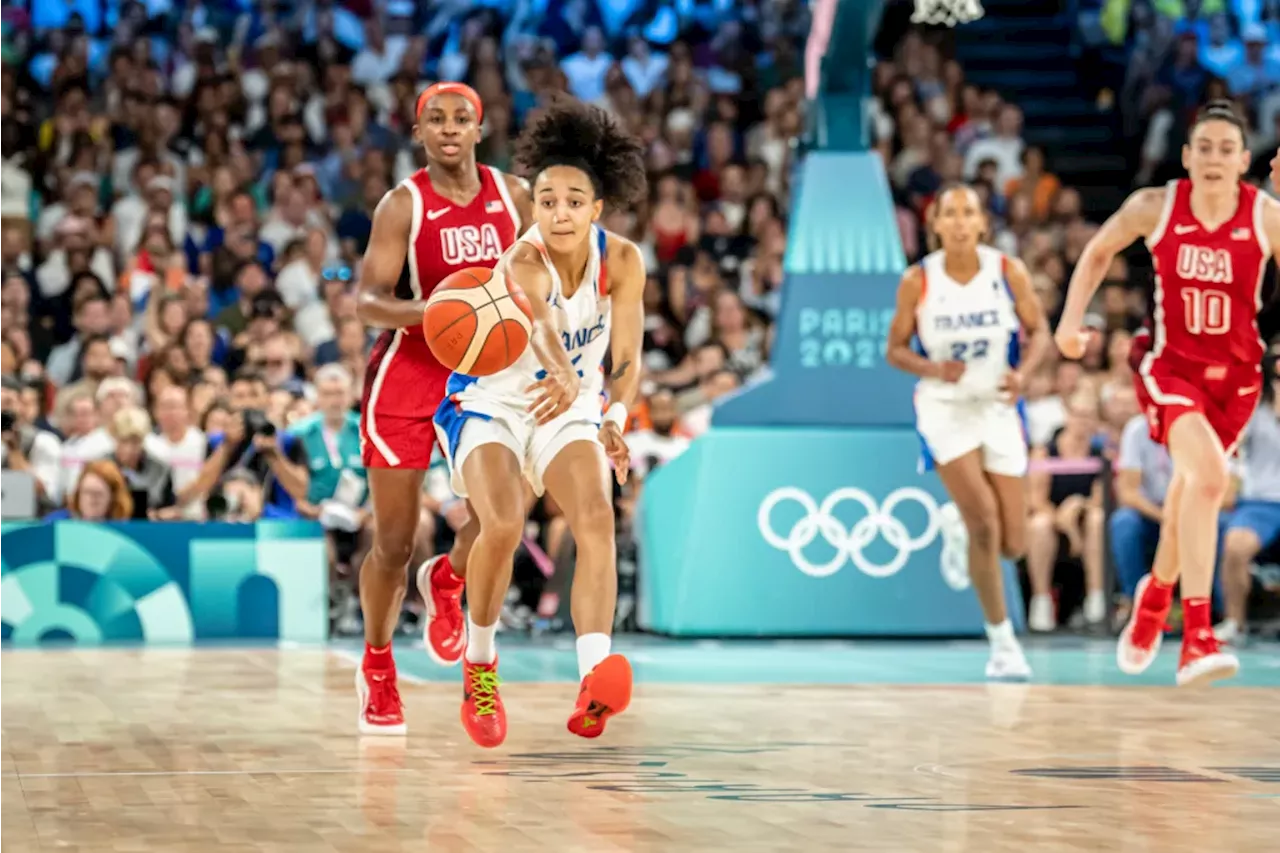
point(879, 521)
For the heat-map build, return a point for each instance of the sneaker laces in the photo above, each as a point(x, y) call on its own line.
point(483, 690)
point(384, 696)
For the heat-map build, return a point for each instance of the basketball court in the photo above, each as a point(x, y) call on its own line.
point(734, 746)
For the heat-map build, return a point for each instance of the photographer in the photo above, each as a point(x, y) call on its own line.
point(28, 448)
point(251, 442)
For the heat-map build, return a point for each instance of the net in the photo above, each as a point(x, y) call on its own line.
point(946, 12)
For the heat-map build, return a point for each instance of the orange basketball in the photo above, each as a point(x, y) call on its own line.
point(477, 323)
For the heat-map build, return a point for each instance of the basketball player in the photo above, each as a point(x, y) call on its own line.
point(449, 216)
point(540, 419)
point(965, 304)
point(1200, 373)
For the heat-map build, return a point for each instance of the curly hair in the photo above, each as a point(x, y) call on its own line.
point(571, 133)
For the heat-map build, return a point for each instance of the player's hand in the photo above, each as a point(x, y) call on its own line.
point(615, 447)
point(1071, 341)
point(555, 394)
point(1275, 173)
point(1011, 386)
point(951, 371)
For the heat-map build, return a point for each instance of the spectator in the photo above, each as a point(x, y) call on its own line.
point(84, 439)
point(1065, 497)
point(1005, 148)
point(100, 494)
point(148, 478)
point(28, 448)
point(177, 444)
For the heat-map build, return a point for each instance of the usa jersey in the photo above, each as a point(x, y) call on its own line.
point(974, 322)
point(446, 237)
point(1208, 284)
point(583, 320)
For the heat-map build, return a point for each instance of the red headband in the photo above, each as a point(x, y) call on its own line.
point(452, 89)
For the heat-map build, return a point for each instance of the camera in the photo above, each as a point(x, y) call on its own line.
point(8, 420)
point(256, 423)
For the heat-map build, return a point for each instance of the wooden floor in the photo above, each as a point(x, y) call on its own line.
point(186, 751)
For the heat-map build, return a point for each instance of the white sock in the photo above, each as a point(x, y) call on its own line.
point(1001, 636)
point(480, 645)
point(592, 648)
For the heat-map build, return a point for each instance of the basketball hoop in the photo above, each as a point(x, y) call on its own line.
point(946, 12)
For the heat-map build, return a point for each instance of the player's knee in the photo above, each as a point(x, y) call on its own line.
point(393, 547)
point(1209, 479)
point(1041, 524)
point(592, 519)
point(984, 528)
point(503, 531)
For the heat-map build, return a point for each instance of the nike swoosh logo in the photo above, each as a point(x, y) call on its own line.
point(433, 215)
point(1185, 229)
point(1245, 392)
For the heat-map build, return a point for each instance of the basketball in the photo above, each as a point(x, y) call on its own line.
point(477, 323)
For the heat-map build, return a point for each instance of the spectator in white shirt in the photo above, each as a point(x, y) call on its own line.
point(85, 440)
point(644, 68)
point(586, 69)
point(1005, 148)
point(379, 60)
point(178, 444)
point(28, 448)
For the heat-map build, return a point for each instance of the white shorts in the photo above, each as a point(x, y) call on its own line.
point(949, 430)
point(462, 429)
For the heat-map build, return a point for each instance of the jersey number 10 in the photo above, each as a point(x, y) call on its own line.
point(1208, 312)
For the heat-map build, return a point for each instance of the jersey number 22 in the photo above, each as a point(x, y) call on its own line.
point(964, 351)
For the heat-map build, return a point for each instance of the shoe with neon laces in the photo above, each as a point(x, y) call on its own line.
point(445, 634)
point(1141, 638)
point(381, 710)
point(483, 715)
point(605, 691)
point(1203, 661)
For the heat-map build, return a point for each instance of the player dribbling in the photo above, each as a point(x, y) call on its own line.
point(539, 421)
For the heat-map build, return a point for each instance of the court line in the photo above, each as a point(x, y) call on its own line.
point(108, 773)
point(356, 658)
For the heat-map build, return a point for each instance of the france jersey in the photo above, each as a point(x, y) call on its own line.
point(975, 323)
point(486, 409)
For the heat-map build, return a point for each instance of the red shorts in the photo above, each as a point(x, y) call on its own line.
point(403, 387)
point(1226, 395)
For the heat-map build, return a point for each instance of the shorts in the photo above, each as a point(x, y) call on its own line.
point(461, 429)
point(1261, 517)
point(1226, 395)
point(403, 387)
point(950, 429)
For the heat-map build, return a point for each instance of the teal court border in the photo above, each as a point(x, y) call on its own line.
point(1054, 661)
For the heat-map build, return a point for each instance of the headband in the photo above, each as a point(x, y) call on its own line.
point(450, 89)
point(576, 163)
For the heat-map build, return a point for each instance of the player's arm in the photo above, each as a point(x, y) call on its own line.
point(1137, 218)
point(384, 259)
point(559, 388)
point(1271, 219)
point(899, 352)
point(626, 292)
point(518, 189)
point(1034, 323)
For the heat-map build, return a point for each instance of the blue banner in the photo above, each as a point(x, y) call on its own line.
point(163, 583)
point(759, 532)
point(828, 363)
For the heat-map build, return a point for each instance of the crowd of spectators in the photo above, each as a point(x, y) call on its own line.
point(933, 127)
point(187, 193)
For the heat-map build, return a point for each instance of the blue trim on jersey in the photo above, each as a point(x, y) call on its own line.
point(1021, 407)
point(542, 374)
point(917, 346)
point(927, 462)
point(450, 416)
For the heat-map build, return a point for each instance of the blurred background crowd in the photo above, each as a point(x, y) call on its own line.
point(187, 193)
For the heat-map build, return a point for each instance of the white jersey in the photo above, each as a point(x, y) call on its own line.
point(974, 322)
point(583, 321)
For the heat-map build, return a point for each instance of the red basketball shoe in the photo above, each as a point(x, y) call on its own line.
point(605, 691)
point(1140, 640)
point(483, 715)
point(381, 711)
point(445, 635)
point(1203, 660)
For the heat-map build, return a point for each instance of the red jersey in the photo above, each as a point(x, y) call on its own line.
point(404, 384)
point(1208, 284)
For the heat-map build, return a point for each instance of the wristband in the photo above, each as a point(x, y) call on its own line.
point(616, 414)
